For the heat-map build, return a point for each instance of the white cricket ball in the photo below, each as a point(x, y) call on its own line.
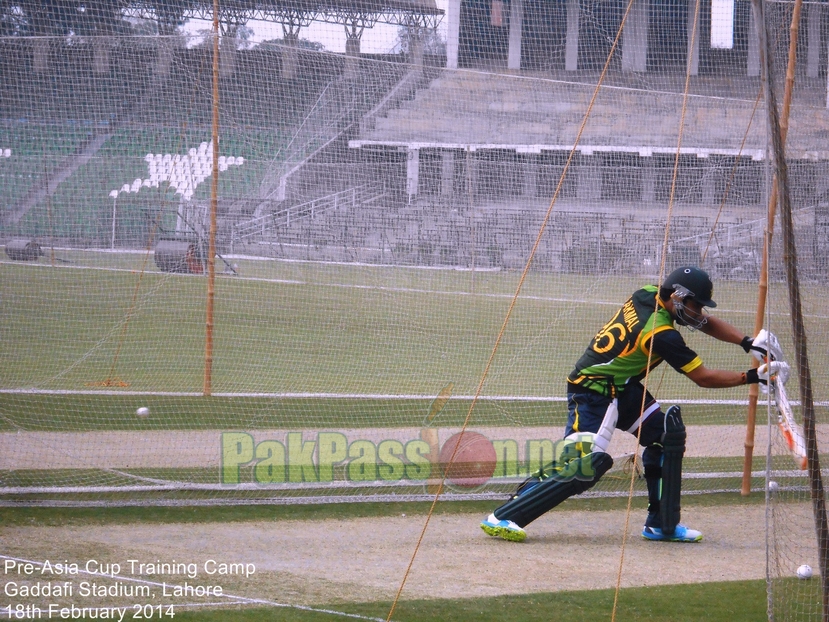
point(143, 412)
point(804, 572)
point(773, 486)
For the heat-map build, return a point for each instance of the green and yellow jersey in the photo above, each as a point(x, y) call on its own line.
point(618, 354)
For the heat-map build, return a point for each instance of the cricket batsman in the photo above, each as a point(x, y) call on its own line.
point(605, 392)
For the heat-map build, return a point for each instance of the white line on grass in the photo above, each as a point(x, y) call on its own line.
point(403, 290)
point(397, 496)
point(324, 499)
point(360, 396)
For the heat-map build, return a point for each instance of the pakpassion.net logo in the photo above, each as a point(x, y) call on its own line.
point(467, 459)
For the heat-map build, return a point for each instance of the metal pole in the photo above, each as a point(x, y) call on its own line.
point(471, 218)
point(112, 240)
point(214, 192)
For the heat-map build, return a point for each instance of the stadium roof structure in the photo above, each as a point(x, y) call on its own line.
point(420, 13)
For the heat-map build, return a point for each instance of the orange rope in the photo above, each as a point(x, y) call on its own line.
point(656, 306)
point(111, 380)
point(509, 311)
point(661, 276)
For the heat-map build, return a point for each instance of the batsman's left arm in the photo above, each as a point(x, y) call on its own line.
point(719, 329)
point(708, 378)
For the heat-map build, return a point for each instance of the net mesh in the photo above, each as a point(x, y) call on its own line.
point(375, 211)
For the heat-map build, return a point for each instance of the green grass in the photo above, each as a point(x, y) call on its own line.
point(61, 516)
point(315, 328)
point(713, 602)
point(309, 328)
point(117, 412)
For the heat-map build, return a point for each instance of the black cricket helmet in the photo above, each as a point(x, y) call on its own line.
point(689, 283)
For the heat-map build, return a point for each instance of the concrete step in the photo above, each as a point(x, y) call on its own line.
point(468, 107)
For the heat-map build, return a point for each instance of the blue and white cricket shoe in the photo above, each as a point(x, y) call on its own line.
point(505, 529)
point(681, 534)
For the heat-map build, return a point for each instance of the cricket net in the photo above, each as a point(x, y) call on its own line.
point(375, 214)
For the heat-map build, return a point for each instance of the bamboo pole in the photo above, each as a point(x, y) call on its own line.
point(763, 288)
point(214, 193)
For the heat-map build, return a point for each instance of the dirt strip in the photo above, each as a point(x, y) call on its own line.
point(203, 448)
point(364, 559)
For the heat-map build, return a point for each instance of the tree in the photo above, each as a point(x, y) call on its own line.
point(303, 44)
point(12, 19)
point(169, 15)
point(239, 33)
point(430, 38)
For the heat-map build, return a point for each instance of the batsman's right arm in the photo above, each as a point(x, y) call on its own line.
point(722, 379)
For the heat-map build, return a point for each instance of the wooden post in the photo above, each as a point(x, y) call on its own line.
point(763, 288)
point(214, 200)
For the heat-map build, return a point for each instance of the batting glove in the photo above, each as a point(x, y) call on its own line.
point(770, 371)
point(762, 345)
point(748, 345)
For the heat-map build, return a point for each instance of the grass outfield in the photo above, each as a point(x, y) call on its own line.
point(714, 602)
point(303, 335)
point(117, 412)
point(61, 516)
point(113, 334)
point(313, 328)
